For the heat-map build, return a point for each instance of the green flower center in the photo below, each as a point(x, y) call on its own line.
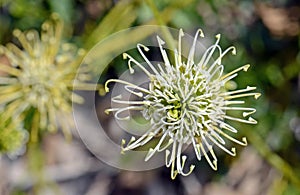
point(175, 112)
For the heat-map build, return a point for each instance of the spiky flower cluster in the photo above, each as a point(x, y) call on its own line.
point(37, 85)
point(186, 104)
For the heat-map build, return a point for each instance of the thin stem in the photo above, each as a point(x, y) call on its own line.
point(274, 159)
point(160, 21)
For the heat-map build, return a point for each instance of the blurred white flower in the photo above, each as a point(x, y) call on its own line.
point(186, 104)
point(36, 87)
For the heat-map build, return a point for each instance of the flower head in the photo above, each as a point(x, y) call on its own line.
point(38, 82)
point(186, 104)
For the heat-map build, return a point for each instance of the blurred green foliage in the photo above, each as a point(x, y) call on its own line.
point(12, 136)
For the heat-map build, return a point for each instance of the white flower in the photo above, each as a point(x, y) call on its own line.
point(38, 85)
point(186, 104)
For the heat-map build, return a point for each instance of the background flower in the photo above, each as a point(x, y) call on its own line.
point(38, 85)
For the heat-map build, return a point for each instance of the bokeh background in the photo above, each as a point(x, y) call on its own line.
point(266, 35)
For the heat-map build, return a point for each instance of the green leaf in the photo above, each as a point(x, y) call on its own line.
point(64, 8)
point(120, 17)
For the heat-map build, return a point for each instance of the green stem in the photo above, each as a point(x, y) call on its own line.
point(275, 160)
point(36, 166)
point(161, 22)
